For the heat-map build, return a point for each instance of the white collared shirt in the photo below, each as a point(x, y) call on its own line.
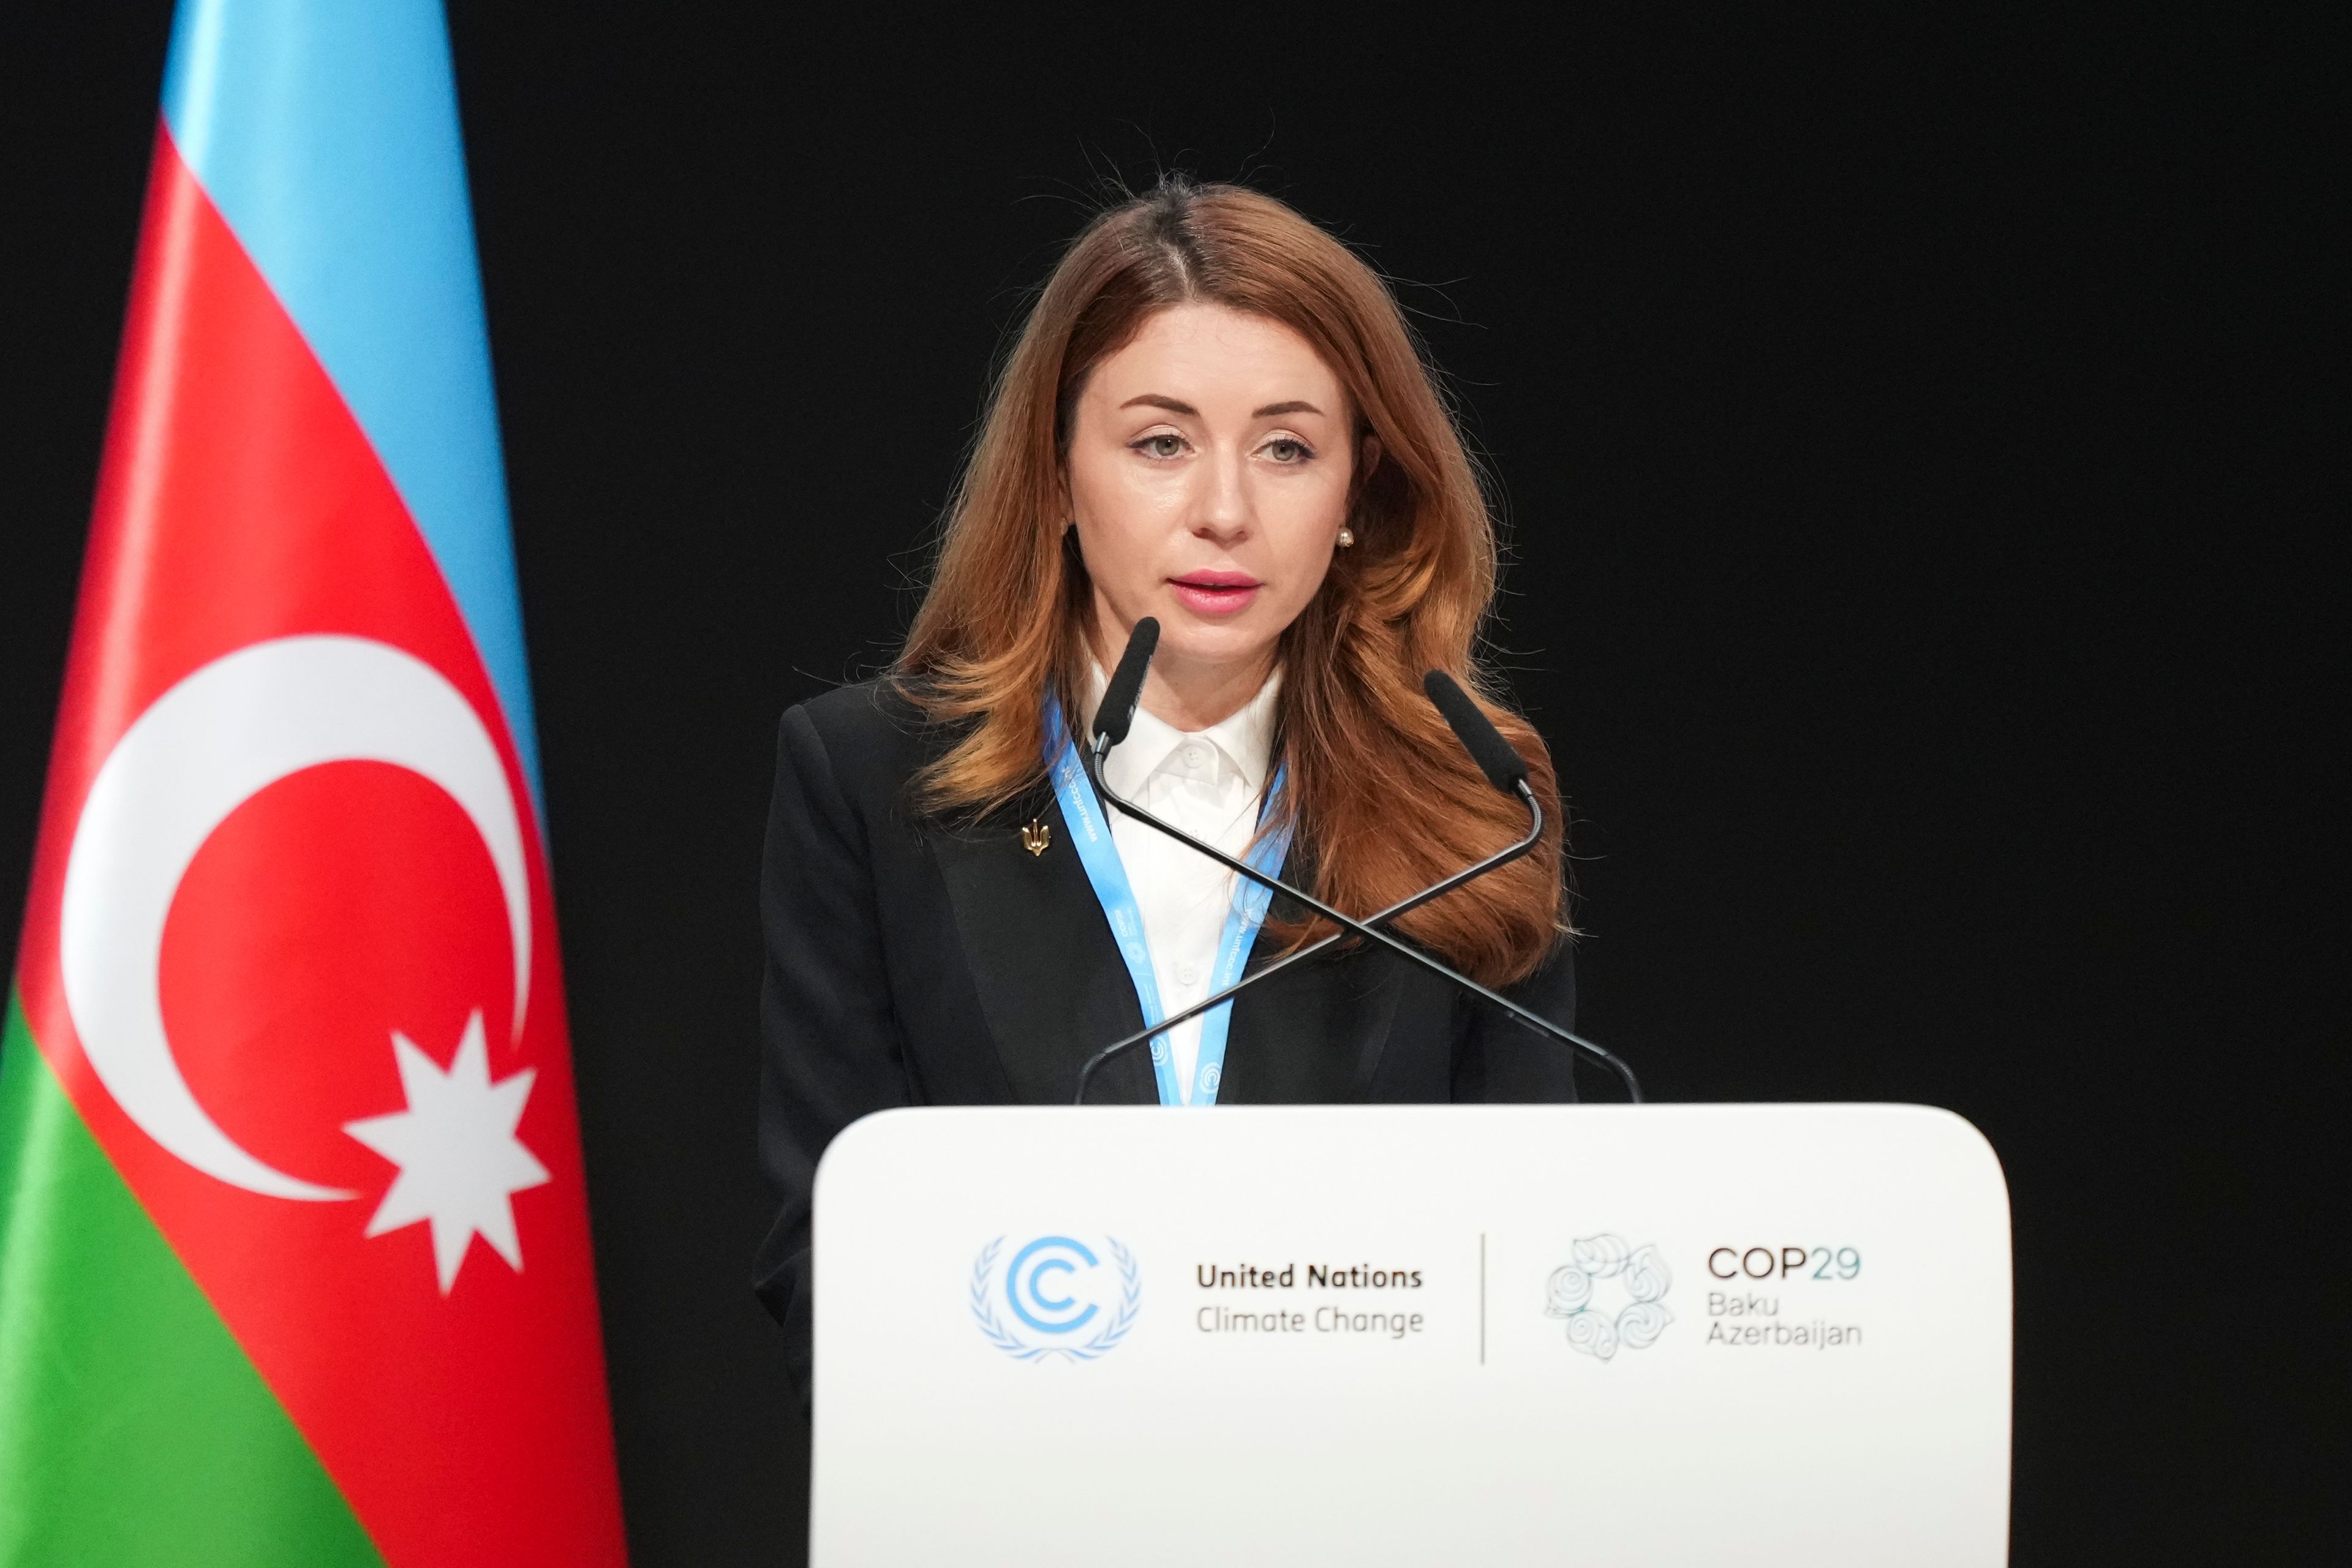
point(1209, 782)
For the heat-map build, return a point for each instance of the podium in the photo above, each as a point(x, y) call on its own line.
point(1487, 1335)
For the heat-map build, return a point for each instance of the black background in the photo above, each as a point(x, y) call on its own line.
point(1915, 562)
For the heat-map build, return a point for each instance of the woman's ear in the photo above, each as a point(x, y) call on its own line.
point(1367, 458)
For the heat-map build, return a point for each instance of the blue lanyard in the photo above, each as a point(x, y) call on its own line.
point(1099, 854)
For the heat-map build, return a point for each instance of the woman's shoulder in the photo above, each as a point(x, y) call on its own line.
point(869, 726)
point(861, 746)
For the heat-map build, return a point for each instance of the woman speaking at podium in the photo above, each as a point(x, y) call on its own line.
point(1215, 418)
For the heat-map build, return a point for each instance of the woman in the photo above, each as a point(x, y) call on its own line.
point(1215, 418)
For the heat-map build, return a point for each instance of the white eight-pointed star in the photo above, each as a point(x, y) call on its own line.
point(459, 1157)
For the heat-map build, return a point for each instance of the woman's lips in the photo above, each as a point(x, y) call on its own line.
point(1215, 592)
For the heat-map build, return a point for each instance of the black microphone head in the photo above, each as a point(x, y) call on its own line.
point(1126, 688)
point(1495, 757)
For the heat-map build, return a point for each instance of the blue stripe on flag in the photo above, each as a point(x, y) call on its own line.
point(326, 133)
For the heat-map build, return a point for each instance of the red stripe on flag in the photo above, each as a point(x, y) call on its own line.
point(240, 501)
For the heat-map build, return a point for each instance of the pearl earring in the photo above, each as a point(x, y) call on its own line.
point(1347, 537)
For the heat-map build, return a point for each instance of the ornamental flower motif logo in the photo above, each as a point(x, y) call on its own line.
point(1637, 1278)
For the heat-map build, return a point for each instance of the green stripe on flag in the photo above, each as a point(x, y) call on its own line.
point(132, 1429)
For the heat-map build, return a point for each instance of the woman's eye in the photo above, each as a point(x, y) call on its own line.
point(1162, 445)
point(1286, 450)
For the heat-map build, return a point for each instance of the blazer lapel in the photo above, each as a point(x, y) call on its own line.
point(1315, 1034)
point(1048, 969)
point(1054, 989)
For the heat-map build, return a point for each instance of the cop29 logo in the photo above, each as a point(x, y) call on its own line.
point(1637, 1277)
point(1060, 1297)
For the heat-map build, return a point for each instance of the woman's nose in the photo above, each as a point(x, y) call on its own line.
point(1223, 510)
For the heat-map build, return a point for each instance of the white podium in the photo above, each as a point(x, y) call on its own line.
point(1412, 1334)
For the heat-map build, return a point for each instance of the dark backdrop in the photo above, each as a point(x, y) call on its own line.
point(1911, 507)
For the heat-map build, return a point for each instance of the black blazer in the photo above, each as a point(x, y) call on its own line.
point(912, 963)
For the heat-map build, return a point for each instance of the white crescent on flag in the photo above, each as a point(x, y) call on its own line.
point(219, 737)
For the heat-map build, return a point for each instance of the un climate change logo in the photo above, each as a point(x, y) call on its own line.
point(1063, 1298)
point(1642, 1277)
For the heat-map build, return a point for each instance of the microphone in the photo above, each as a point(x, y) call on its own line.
point(1117, 712)
point(1495, 757)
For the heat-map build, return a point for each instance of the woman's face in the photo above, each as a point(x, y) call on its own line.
point(1209, 472)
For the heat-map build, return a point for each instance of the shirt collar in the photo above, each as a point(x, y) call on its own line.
point(1245, 739)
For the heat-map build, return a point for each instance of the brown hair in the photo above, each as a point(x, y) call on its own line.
point(1383, 796)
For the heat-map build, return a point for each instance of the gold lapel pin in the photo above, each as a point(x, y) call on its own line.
point(1035, 836)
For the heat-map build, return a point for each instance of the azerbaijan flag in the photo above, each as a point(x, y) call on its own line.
point(294, 1258)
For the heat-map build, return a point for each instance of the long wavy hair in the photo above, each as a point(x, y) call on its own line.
point(1382, 798)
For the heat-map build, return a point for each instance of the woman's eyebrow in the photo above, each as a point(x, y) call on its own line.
point(1153, 400)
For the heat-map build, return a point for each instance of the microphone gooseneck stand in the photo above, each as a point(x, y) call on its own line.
point(1091, 757)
